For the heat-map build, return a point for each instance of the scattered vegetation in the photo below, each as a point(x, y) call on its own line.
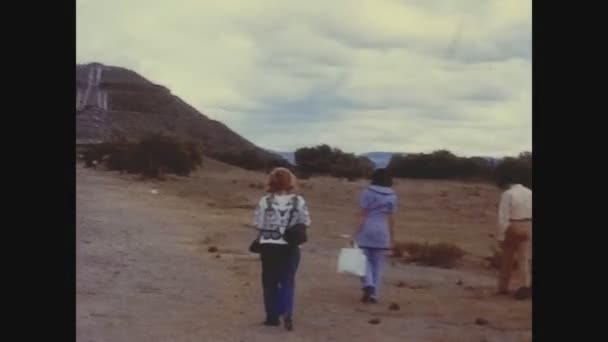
point(444, 255)
point(251, 160)
point(154, 156)
point(443, 164)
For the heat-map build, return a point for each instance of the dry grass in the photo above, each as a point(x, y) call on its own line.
point(197, 206)
point(444, 255)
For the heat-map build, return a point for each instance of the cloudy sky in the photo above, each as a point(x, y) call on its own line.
point(361, 75)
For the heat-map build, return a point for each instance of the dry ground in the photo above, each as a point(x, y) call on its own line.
point(144, 272)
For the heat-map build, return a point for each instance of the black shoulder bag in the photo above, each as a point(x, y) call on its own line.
point(295, 235)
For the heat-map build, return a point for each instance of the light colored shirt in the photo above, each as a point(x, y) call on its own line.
point(272, 220)
point(379, 202)
point(515, 204)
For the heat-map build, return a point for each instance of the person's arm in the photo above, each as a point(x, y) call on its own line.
point(504, 216)
point(258, 214)
point(361, 217)
point(303, 214)
point(391, 227)
point(391, 220)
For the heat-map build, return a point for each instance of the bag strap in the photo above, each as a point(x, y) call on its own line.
point(294, 208)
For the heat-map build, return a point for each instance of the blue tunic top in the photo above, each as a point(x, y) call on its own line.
point(378, 202)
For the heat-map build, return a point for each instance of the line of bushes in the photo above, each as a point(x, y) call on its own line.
point(445, 165)
point(251, 160)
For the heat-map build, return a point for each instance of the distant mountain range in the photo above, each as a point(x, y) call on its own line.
point(380, 159)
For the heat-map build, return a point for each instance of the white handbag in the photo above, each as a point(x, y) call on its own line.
point(352, 261)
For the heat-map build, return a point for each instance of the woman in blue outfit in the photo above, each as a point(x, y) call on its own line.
point(375, 232)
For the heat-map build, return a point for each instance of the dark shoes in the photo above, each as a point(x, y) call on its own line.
point(287, 322)
point(521, 294)
point(272, 322)
point(368, 292)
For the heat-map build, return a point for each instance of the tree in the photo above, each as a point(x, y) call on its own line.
point(325, 160)
point(157, 154)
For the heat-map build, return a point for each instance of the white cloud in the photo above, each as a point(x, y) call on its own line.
point(363, 75)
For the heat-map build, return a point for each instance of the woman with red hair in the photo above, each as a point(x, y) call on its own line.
point(276, 212)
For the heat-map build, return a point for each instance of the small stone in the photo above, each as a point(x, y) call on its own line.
point(401, 284)
point(212, 249)
point(459, 283)
point(374, 321)
point(481, 321)
point(218, 256)
point(394, 307)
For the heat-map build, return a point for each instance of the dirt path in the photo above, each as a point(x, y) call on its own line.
point(144, 274)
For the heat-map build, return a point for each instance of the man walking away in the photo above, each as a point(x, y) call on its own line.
point(515, 235)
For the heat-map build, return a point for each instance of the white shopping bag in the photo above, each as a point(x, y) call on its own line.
point(352, 261)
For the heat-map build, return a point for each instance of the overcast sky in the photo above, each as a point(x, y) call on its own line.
point(361, 75)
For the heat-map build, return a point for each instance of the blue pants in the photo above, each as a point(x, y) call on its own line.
point(373, 276)
point(279, 266)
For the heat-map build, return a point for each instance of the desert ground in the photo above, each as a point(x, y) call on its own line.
point(145, 272)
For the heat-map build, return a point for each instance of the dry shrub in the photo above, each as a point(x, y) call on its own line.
point(257, 185)
point(444, 255)
point(153, 156)
point(399, 249)
point(475, 192)
point(157, 154)
point(242, 206)
point(305, 185)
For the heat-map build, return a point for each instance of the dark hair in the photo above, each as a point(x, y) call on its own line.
point(381, 177)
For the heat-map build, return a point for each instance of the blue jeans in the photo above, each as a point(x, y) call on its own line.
point(373, 276)
point(279, 266)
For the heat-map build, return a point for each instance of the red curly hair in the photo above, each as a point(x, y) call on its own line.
point(281, 179)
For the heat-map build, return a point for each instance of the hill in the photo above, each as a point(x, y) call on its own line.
point(117, 103)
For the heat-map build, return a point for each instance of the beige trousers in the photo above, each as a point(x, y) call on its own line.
point(517, 246)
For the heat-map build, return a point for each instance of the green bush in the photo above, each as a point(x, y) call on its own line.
point(158, 154)
point(324, 160)
point(153, 156)
point(445, 165)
